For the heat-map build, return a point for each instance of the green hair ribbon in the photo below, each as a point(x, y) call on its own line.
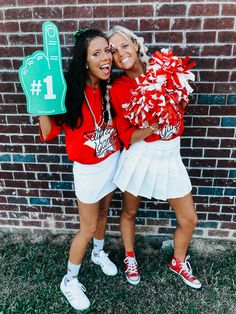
point(79, 32)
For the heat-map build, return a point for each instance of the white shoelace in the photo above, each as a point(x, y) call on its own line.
point(185, 266)
point(132, 265)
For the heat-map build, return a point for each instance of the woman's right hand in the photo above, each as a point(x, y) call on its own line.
point(141, 134)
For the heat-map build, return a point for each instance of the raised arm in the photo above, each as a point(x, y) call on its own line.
point(45, 124)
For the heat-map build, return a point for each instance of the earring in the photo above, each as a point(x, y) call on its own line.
point(86, 66)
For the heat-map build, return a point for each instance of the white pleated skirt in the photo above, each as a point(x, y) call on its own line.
point(93, 182)
point(153, 170)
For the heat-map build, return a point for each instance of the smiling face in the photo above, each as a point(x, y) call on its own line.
point(124, 51)
point(99, 60)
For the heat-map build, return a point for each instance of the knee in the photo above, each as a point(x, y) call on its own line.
point(103, 212)
point(88, 232)
point(189, 222)
point(129, 213)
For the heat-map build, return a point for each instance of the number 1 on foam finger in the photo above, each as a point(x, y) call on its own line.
point(49, 86)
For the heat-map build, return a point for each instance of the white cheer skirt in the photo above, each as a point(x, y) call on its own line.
point(93, 182)
point(153, 170)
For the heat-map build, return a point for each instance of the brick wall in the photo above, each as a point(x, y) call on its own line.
point(36, 181)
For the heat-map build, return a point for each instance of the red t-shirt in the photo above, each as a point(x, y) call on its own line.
point(121, 94)
point(92, 142)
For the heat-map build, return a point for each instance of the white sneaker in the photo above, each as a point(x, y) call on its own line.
point(102, 259)
point(73, 290)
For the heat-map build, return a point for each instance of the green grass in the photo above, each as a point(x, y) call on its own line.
point(32, 268)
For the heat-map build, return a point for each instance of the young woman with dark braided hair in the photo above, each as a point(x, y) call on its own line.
point(92, 144)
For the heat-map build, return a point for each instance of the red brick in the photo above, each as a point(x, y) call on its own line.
point(225, 182)
point(222, 217)
point(212, 76)
point(194, 173)
point(9, 222)
point(50, 193)
point(226, 163)
point(201, 37)
point(171, 10)
point(225, 88)
point(206, 121)
point(207, 208)
point(94, 1)
point(99, 24)
point(202, 163)
point(47, 13)
point(229, 9)
point(220, 132)
point(215, 173)
point(218, 233)
point(162, 230)
point(202, 182)
point(233, 76)
point(203, 9)
point(228, 209)
point(130, 24)
point(217, 153)
point(6, 175)
point(138, 10)
point(14, 183)
point(227, 37)
point(107, 11)
point(22, 139)
point(31, 26)
point(187, 51)
point(77, 12)
point(220, 50)
point(191, 152)
point(154, 24)
point(18, 120)
point(3, 40)
point(7, 3)
point(31, 208)
point(5, 64)
point(13, 167)
point(195, 132)
point(9, 27)
point(228, 143)
point(61, 2)
point(198, 110)
point(226, 63)
point(67, 25)
point(16, 14)
point(221, 200)
point(169, 37)
point(228, 225)
point(218, 23)
point(7, 88)
point(185, 24)
point(31, 223)
point(31, 2)
point(223, 110)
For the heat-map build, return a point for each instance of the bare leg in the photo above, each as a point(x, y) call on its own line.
point(187, 220)
point(89, 214)
point(102, 219)
point(131, 205)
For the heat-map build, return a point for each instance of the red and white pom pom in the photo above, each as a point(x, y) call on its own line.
point(160, 91)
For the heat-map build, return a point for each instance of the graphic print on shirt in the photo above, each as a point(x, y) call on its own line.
point(102, 139)
point(168, 131)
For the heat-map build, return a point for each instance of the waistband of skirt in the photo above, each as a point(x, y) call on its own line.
point(164, 145)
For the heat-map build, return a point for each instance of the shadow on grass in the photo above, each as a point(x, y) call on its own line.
point(32, 268)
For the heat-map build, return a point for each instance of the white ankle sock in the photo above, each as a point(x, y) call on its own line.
point(72, 270)
point(97, 245)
